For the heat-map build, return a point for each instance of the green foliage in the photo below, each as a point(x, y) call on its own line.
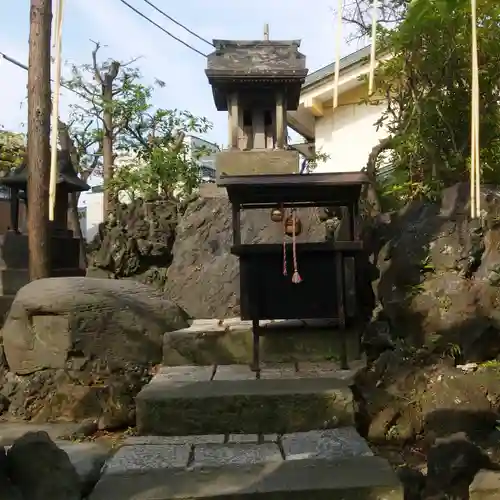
point(129, 95)
point(163, 164)
point(12, 151)
point(316, 159)
point(427, 82)
point(86, 124)
point(150, 156)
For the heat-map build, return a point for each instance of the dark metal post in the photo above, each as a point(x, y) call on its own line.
point(236, 224)
point(256, 347)
point(339, 261)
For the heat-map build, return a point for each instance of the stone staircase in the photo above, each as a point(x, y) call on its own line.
point(219, 431)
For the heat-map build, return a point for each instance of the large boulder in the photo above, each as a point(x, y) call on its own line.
point(135, 242)
point(8, 489)
point(439, 292)
point(78, 348)
point(41, 470)
point(407, 394)
point(440, 274)
point(204, 277)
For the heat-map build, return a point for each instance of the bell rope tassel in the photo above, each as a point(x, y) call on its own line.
point(296, 278)
point(285, 271)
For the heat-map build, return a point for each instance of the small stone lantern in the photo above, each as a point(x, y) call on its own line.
point(68, 182)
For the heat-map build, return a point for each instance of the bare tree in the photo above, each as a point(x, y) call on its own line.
point(38, 149)
point(105, 80)
point(358, 13)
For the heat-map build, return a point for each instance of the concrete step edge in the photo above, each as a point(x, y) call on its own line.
point(346, 478)
point(183, 407)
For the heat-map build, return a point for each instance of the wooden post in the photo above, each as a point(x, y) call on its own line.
point(266, 32)
point(38, 149)
point(234, 121)
point(236, 221)
point(54, 167)
point(280, 121)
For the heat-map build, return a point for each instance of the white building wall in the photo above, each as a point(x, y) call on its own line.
point(94, 206)
point(348, 136)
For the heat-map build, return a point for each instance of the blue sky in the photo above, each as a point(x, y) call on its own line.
point(124, 35)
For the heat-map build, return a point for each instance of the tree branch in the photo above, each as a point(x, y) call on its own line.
point(97, 73)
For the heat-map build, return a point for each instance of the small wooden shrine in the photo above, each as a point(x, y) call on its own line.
point(257, 82)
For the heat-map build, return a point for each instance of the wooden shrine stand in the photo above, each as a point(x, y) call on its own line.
point(265, 292)
point(258, 82)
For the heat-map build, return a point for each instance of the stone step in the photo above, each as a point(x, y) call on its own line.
point(208, 342)
point(195, 400)
point(319, 464)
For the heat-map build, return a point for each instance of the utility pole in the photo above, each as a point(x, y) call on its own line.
point(38, 150)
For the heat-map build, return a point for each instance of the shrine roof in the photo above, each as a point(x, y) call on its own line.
point(324, 189)
point(67, 175)
point(257, 58)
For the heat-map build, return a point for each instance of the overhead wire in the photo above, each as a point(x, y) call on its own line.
point(19, 64)
point(141, 14)
point(170, 18)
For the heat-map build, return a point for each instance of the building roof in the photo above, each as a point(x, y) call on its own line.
point(329, 70)
point(68, 177)
point(239, 65)
point(256, 57)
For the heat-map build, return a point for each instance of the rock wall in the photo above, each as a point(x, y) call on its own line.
point(439, 292)
point(439, 279)
point(136, 242)
point(185, 250)
point(204, 277)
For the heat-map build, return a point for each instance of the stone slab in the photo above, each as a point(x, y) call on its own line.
point(209, 342)
point(330, 444)
point(170, 440)
point(235, 454)
point(148, 457)
point(286, 370)
point(234, 372)
point(177, 408)
point(184, 374)
point(255, 162)
point(253, 438)
point(202, 439)
point(349, 479)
